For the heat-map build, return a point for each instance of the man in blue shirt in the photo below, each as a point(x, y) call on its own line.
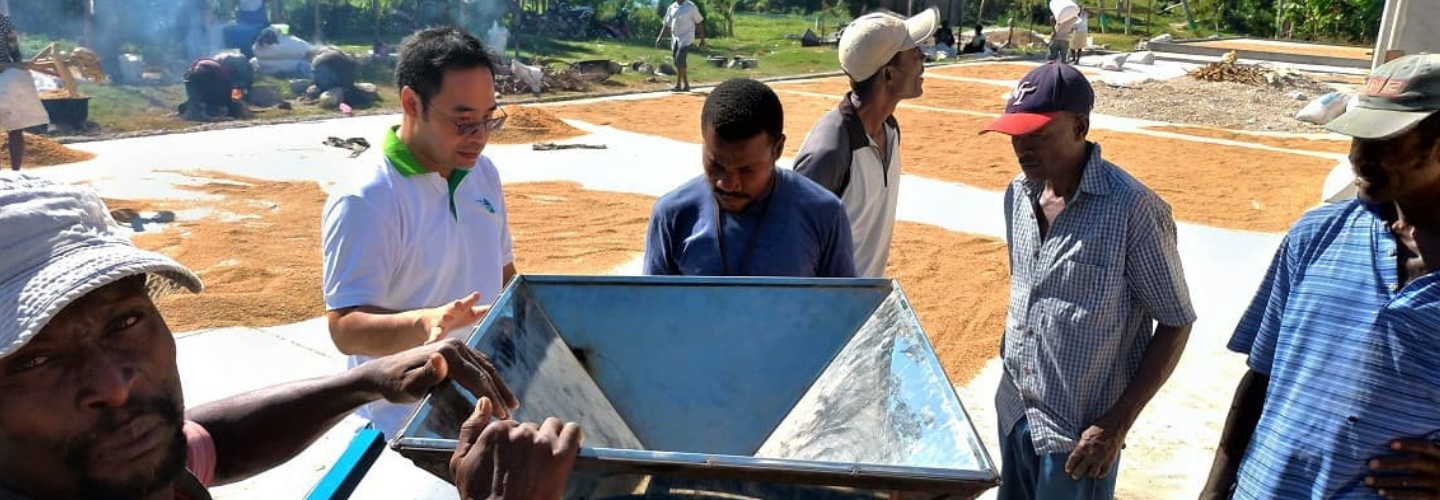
point(1342, 399)
point(744, 217)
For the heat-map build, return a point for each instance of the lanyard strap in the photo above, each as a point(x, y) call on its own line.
point(754, 233)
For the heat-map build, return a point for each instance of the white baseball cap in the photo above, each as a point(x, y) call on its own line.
point(873, 39)
point(60, 244)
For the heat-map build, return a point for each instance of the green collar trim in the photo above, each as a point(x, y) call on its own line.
point(400, 155)
point(454, 181)
point(408, 166)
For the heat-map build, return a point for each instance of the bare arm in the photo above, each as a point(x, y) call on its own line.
point(1099, 445)
point(257, 431)
point(1240, 426)
point(373, 331)
point(1155, 368)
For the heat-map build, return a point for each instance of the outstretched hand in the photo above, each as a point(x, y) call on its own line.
point(439, 320)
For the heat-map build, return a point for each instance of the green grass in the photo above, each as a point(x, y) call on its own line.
point(757, 36)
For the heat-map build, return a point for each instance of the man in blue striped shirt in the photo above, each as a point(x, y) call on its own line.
point(1342, 399)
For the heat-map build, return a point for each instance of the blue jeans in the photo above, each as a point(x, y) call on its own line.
point(1026, 475)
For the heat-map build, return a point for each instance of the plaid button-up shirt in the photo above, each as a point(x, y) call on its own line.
point(1084, 300)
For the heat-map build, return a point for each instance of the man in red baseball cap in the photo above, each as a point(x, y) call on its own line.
point(1094, 268)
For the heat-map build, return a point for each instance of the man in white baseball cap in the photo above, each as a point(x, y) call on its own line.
point(90, 400)
point(854, 150)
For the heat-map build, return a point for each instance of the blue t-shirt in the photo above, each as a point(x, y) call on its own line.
point(1351, 357)
point(798, 230)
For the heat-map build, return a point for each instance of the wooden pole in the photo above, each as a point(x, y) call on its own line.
point(1149, 17)
point(1129, 12)
point(1279, 10)
point(1189, 15)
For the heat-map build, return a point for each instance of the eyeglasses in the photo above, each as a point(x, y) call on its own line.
point(491, 124)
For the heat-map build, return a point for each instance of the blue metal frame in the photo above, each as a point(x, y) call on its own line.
point(350, 469)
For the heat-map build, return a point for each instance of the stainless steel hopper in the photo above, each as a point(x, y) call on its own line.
point(724, 388)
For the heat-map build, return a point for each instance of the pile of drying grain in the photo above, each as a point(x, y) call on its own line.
point(42, 152)
point(1229, 105)
point(527, 125)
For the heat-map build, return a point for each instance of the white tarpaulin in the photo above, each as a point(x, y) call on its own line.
point(20, 106)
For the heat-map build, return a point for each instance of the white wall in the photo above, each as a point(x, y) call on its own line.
point(1412, 26)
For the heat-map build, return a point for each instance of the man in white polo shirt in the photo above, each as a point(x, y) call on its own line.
point(854, 150)
point(416, 241)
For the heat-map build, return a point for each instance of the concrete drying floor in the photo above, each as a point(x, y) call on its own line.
point(1168, 453)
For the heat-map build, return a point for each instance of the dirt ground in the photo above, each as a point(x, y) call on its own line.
point(560, 228)
point(998, 71)
point(677, 117)
point(41, 152)
point(959, 285)
point(527, 125)
point(1222, 186)
point(274, 280)
point(1300, 49)
point(1320, 145)
point(556, 227)
point(939, 93)
point(1228, 105)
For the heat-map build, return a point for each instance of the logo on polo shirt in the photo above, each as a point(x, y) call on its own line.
point(485, 202)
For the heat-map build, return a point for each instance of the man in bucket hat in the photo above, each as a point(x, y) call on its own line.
point(1094, 268)
point(90, 396)
point(1340, 400)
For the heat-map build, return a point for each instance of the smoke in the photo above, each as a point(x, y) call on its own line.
point(172, 31)
point(484, 19)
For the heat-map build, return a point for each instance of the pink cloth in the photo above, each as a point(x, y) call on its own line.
point(201, 458)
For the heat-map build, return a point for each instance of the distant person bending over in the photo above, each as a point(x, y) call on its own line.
point(977, 43)
point(683, 21)
point(744, 217)
point(28, 112)
point(209, 93)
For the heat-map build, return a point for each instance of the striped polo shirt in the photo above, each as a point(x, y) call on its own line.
point(1351, 355)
